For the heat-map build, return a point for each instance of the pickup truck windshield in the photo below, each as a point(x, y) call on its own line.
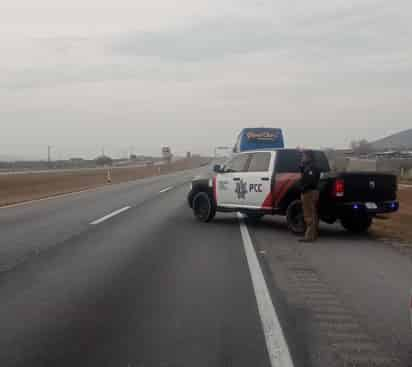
point(290, 160)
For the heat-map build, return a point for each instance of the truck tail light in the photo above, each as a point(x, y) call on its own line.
point(339, 188)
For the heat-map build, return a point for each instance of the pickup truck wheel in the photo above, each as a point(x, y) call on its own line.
point(294, 217)
point(203, 207)
point(356, 224)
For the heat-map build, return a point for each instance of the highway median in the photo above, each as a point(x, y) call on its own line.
point(18, 188)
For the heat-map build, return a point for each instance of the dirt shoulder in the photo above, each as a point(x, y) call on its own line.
point(24, 187)
point(397, 226)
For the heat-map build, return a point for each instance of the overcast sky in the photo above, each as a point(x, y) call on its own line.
point(129, 74)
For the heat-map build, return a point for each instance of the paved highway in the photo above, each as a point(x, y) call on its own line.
point(124, 276)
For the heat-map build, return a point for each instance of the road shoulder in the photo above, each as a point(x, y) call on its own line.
point(326, 328)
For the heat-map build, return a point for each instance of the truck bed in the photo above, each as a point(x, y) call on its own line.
point(363, 186)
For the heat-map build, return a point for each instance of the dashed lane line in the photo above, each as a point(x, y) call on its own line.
point(166, 189)
point(110, 215)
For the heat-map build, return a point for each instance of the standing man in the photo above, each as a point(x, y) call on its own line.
point(310, 195)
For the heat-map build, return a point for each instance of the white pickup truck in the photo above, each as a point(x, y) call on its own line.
point(267, 182)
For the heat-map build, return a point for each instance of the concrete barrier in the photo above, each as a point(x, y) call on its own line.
point(363, 165)
point(389, 165)
point(401, 167)
point(344, 164)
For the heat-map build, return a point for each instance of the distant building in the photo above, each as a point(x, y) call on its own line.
point(76, 160)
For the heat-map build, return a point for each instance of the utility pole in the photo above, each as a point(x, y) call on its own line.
point(131, 151)
point(49, 155)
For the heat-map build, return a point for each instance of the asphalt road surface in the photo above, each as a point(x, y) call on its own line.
point(124, 276)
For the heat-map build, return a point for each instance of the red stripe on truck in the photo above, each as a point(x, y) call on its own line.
point(283, 182)
point(268, 203)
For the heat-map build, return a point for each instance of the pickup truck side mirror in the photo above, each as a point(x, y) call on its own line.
point(217, 168)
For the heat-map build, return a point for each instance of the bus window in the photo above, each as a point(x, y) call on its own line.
point(259, 138)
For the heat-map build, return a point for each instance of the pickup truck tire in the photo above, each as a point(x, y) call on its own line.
point(356, 224)
point(294, 217)
point(203, 207)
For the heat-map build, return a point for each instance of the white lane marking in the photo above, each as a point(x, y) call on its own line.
point(277, 347)
point(111, 215)
point(166, 189)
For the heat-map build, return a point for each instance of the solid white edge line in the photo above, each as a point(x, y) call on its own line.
point(276, 344)
point(166, 189)
point(110, 215)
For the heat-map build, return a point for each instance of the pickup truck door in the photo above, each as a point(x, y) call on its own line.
point(228, 181)
point(257, 182)
point(247, 184)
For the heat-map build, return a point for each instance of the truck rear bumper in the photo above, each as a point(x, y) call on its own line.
point(370, 208)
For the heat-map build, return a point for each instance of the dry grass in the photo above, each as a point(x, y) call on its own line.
point(24, 187)
point(397, 226)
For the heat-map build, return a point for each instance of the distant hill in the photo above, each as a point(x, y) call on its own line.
point(401, 140)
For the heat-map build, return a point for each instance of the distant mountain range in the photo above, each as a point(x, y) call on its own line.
point(398, 141)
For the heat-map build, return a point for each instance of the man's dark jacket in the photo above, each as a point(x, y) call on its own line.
point(310, 177)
